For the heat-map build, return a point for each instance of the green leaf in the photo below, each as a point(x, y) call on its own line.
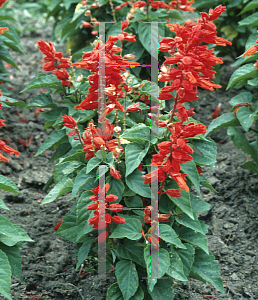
point(175, 14)
point(190, 169)
point(64, 186)
point(68, 228)
point(43, 101)
point(43, 81)
point(250, 165)
point(9, 234)
point(7, 185)
point(251, 20)
point(245, 117)
point(93, 163)
point(204, 182)
point(83, 215)
point(139, 134)
point(114, 293)
point(116, 187)
point(5, 276)
point(81, 179)
point(241, 142)
point(144, 31)
point(131, 230)
point(190, 223)
point(223, 121)
point(253, 82)
point(206, 267)
point(129, 250)
point(163, 290)
point(183, 203)
point(168, 234)
point(61, 150)
point(243, 73)
point(14, 257)
point(241, 98)
point(83, 251)
point(134, 154)
point(209, 150)
point(56, 137)
point(176, 267)
point(133, 201)
point(195, 238)
point(4, 55)
point(127, 278)
point(2, 205)
point(199, 205)
point(12, 102)
point(251, 5)
point(135, 182)
point(162, 264)
point(187, 257)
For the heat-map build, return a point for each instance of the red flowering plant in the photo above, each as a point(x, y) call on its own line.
point(11, 235)
point(241, 121)
point(131, 167)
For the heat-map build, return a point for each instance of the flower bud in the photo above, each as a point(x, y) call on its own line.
point(87, 13)
point(117, 129)
point(79, 78)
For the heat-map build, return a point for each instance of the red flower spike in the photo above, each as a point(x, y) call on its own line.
point(69, 122)
point(115, 207)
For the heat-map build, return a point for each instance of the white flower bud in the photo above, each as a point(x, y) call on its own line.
point(117, 129)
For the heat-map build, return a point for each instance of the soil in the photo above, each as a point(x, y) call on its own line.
point(49, 262)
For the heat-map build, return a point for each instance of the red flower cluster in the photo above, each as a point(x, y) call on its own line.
point(251, 51)
point(55, 61)
point(114, 65)
point(96, 138)
point(184, 5)
point(101, 217)
point(69, 122)
point(194, 63)
point(3, 146)
point(174, 152)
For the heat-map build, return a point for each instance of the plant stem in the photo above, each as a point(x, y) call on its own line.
point(125, 112)
point(113, 11)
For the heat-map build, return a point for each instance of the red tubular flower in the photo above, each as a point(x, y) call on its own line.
point(115, 173)
point(184, 5)
point(2, 122)
point(160, 4)
point(2, 2)
point(63, 76)
point(139, 4)
point(3, 28)
point(58, 225)
point(174, 192)
point(8, 149)
point(134, 107)
point(69, 122)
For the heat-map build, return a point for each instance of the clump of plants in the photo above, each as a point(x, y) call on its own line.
point(130, 167)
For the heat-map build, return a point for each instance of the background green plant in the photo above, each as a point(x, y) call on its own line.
point(242, 125)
